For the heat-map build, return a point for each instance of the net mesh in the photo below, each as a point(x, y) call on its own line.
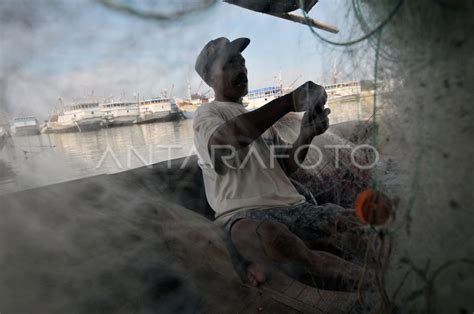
point(417, 58)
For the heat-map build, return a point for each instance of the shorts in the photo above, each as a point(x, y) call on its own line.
point(306, 220)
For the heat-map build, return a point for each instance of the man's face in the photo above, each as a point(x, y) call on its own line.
point(230, 76)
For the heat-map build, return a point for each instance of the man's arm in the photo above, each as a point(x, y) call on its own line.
point(296, 153)
point(314, 123)
point(242, 130)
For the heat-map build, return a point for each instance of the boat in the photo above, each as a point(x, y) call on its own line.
point(188, 108)
point(75, 118)
point(25, 126)
point(119, 113)
point(337, 92)
point(87, 116)
point(189, 111)
point(346, 100)
point(345, 91)
point(60, 122)
point(157, 109)
point(258, 97)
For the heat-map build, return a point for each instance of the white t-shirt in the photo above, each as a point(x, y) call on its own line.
point(254, 179)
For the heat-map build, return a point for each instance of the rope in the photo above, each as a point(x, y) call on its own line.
point(366, 28)
point(376, 44)
point(368, 36)
point(355, 41)
point(374, 102)
point(128, 8)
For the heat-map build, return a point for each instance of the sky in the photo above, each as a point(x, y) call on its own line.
point(82, 50)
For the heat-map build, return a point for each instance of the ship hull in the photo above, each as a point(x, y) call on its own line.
point(157, 117)
point(119, 121)
point(70, 125)
point(61, 129)
point(90, 124)
point(27, 130)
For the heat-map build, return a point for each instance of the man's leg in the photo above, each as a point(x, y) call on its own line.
point(267, 242)
point(331, 228)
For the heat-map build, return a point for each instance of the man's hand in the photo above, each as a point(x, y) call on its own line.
point(308, 96)
point(315, 122)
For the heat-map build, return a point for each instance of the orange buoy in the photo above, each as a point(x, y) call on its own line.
point(373, 207)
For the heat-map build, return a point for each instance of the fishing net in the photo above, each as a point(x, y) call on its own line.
point(142, 241)
point(158, 10)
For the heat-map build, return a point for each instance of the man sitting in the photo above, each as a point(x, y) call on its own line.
point(245, 177)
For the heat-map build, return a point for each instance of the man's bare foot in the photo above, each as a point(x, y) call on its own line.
point(256, 274)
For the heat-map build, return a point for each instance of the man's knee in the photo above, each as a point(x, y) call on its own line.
point(278, 241)
point(272, 228)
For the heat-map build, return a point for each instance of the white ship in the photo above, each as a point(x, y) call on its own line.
point(188, 107)
point(258, 97)
point(25, 126)
point(338, 92)
point(157, 109)
point(75, 118)
point(343, 91)
point(189, 111)
point(119, 113)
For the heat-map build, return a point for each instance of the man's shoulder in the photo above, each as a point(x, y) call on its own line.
point(207, 112)
point(210, 106)
point(218, 109)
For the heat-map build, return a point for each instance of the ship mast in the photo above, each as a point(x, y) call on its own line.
point(281, 82)
point(189, 91)
point(334, 72)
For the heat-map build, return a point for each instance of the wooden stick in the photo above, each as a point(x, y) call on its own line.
point(300, 19)
point(295, 18)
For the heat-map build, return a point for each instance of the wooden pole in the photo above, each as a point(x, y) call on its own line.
point(295, 18)
point(312, 22)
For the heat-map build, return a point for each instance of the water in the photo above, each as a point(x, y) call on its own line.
point(32, 161)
